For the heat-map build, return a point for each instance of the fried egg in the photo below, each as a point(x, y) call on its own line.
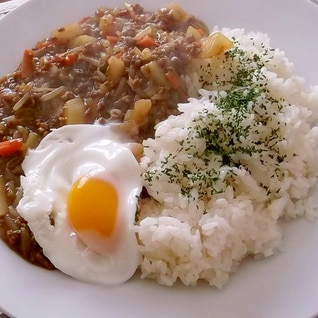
point(80, 193)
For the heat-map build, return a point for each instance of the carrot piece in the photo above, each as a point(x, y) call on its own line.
point(68, 59)
point(43, 44)
point(27, 64)
point(113, 39)
point(146, 41)
point(10, 147)
point(173, 78)
point(49, 42)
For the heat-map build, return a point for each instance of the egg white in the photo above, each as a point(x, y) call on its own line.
point(63, 156)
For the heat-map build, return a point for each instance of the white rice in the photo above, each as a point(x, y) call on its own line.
point(210, 210)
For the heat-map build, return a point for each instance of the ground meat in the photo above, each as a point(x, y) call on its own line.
point(113, 59)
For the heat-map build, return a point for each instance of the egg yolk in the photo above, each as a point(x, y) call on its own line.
point(92, 206)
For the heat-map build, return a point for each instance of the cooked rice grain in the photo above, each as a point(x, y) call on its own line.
point(239, 158)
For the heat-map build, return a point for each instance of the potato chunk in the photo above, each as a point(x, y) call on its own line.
point(115, 69)
point(81, 40)
point(68, 31)
point(215, 44)
point(74, 111)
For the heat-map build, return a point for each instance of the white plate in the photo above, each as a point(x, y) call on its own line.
point(285, 285)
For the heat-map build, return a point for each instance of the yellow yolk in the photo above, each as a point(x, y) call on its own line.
point(92, 206)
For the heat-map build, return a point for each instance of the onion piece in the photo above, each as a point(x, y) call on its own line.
point(142, 33)
point(120, 87)
point(32, 141)
point(101, 75)
point(153, 71)
point(3, 197)
point(55, 92)
point(90, 60)
point(10, 223)
point(21, 101)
